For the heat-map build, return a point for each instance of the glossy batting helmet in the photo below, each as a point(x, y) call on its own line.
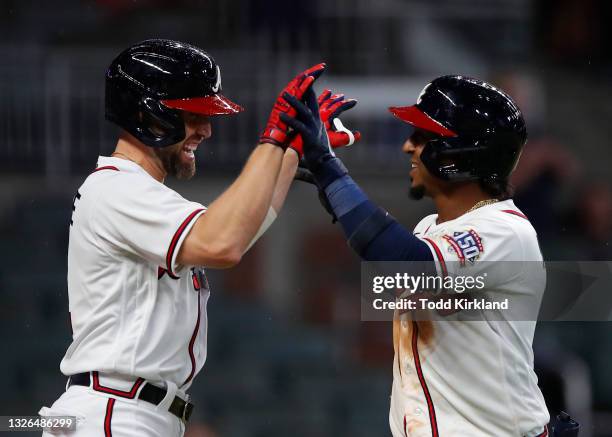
point(149, 84)
point(479, 131)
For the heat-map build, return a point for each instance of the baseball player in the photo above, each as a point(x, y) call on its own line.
point(451, 377)
point(137, 289)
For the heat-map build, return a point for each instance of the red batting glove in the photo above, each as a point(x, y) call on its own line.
point(276, 130)
point(330, 108)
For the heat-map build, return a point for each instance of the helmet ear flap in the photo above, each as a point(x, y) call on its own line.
point(430, 157)
point(144, 117)
point(158, 126)
point(449, 158)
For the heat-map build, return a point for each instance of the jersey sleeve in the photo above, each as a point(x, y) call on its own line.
point(484, 248)
point(149, 221)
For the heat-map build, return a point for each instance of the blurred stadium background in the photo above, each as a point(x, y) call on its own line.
point(287, 352)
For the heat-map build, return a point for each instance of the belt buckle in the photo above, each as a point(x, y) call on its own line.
point(187, 410)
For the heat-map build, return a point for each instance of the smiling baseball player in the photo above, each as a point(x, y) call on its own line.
point(453, 377)
point(137, 291)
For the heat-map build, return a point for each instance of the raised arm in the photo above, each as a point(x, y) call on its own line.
point(330, 108)
point(220, 237)
point(285, 178)
point(371, 231)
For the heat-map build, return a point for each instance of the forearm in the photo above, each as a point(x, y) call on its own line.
point(285, 178)
point(220, 237)
point(371, 231)
point(267, 222)
point(234, 218)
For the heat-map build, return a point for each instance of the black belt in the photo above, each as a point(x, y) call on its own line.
point(149, 393)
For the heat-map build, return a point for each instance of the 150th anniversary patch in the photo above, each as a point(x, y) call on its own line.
point(467, 245)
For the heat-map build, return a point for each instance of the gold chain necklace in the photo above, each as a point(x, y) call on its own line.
point(482, 203)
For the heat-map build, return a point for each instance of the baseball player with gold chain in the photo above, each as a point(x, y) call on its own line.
point(453, 376)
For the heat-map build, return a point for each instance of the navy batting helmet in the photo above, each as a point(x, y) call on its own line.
point(480, 131)
point(149, 83)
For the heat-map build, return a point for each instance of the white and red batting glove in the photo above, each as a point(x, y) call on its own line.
point(330, 108)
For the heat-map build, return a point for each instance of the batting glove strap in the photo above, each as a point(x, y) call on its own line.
point(274, 135)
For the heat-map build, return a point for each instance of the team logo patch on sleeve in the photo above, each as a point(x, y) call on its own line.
point(467, 245)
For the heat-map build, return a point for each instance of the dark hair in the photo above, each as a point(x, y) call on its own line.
point(496, 188)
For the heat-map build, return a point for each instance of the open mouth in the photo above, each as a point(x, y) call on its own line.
point(189, 150)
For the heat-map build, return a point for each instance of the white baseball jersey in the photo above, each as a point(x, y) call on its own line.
point(473, 378)
point(134, 311)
